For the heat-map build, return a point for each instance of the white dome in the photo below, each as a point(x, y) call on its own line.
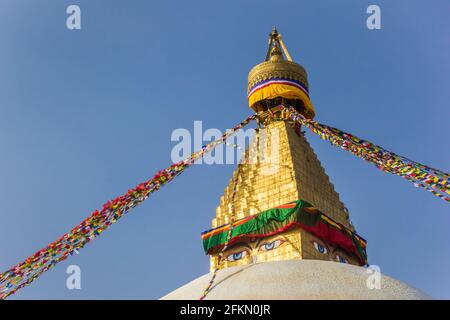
point(295, 280)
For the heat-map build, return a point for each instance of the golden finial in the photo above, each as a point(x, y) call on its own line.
point(279, 80)
point(275, 54)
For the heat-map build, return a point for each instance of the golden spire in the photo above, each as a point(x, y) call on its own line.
point(279, 81)
point(275, 54)
point(280, 169)
point(275, 41)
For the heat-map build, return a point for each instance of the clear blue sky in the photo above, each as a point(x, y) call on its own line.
point(84, 115)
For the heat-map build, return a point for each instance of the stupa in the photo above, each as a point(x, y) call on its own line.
point(281, 230)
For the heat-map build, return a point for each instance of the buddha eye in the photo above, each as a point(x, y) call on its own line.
point(320, 248)
point(237, 256)
point(341, 259)
point(271, 245)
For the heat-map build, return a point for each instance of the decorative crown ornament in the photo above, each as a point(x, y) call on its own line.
point(279, 80)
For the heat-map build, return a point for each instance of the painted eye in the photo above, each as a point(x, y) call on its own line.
point(341, 259)
point(271, 245)
point(237, 256)
point(320, 248)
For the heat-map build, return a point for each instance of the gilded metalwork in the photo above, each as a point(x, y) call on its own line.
point(277, 69)
point(281, 167)
point(275, 66)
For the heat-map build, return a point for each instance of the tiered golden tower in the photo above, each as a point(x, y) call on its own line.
point(280, 168)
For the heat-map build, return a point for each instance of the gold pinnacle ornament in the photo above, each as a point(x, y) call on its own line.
point(290, 80)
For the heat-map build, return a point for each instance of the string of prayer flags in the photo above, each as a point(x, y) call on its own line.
point(29, 270)
point(433, 180)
